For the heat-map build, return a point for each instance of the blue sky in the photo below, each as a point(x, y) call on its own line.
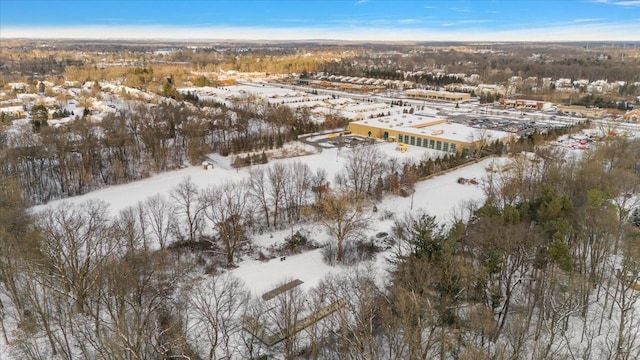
point(384, 20)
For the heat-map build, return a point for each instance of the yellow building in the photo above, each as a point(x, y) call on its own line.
point(581, 111)
point(228, 82)
point(438, 95)
point(427, 132)
point(633, 115)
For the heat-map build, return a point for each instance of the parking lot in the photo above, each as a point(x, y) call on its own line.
point(343, 140)
point(522, 126)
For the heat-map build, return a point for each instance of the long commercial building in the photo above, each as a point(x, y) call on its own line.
point(526, 104)
point(581, 111)
point(425, 130)
point(437, 95)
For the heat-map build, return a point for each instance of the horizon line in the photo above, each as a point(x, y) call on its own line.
point(608, 32)
point(177, 40)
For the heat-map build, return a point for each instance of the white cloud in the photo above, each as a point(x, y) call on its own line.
point(465, 22)
point(474, 21)
point(624, 3)
point(587, 20)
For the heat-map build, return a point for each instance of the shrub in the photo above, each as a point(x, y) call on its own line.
point(296, 242)
point(354, 252)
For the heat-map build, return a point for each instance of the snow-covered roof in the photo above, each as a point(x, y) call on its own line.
point(12, 109)
point(425, 124)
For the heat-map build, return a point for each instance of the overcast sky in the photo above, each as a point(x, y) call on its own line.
point(384, 20)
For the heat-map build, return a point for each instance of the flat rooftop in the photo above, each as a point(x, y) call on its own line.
point(429, 124)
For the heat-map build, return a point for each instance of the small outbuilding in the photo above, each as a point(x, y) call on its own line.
point(633, 115)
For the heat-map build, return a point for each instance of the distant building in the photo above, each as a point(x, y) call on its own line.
point(18, 86)
point(525, 104)
point(424, 130)
point(13, 112)
point(227, 82)
point(438, 95)
point(581, 111)
point(493, 89)
point(346, 86)
point(633, 115)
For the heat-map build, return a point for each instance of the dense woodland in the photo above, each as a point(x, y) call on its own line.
point(51, 163)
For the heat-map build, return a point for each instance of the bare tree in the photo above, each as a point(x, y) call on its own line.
point(217, 305)
point(297, 189)
point(160, 215)
point(354, 326)
point(365, 164)
point(258, 190)
point(135, 307)
point(228, 209)
point(186, 194)
point(277, 176)
point(508, 251)
point(76, 243)
point(480, 139)
point(131, 226)
point(319, 183)
point(286, 312)
point(343, 218)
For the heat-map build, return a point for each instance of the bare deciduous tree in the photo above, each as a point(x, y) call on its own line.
point(365, 164)
point(160, 215)
point(187, 195)
point(297, 189)
point(77, 240)
point(343, 218)
point(258, 191)
point(277, 176)
point(284, 317)
point(319, 183)
point(227, 208)
point(216, 306)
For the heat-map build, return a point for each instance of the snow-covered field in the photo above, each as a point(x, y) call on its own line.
point(441, 196)
point(123, 196)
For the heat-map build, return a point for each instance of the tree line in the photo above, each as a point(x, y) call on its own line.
point(54, 162)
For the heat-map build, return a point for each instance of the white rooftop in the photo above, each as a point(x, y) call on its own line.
point(409, 124)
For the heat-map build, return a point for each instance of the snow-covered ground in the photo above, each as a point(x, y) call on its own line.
point(441, 196)
point(123, 196)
